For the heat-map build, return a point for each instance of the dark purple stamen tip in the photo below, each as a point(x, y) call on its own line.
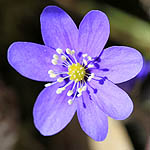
point(97, 65)
point(105, 69)
point(79, 54)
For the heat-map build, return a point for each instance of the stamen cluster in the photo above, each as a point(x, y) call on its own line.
point(77, 73)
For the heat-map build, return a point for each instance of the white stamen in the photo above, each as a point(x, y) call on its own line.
point(68, 56)
point(60, 79)
point(59, 90)
point(67, 84)
point(70, 92)
point(89, 79)
point(72, 52)
point(48, 84)
point(70, 101)
point(50, 71)
point(79, 94)
point(84, 55)
point(90, 66)
point(63, 88)
point(92, 75)
point(89, 58)
point(63, 58)
point(59, 51)
point(85, 62)
point(53, 75)
point(55, 57)
point(84, 88)
point(54, 61)
point(79, 90)
point(68, 51)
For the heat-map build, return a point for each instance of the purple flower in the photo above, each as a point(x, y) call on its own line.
point(83, 75)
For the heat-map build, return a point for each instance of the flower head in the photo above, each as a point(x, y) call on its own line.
point(80, 74)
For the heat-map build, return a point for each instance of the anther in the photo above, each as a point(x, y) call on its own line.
point(53, 75)
point(60, 79)
point(48, 84)
point(59, 51)
point(90, 77)
point(63, 58)
point(70, 101)
point(70, 92)
point(89, 58)
point(68, 51)
point(79, 90)
point(54, 61)
point(63, 88)
point(72, 52)
point(90, 66)
point(84, 55)
point(79, 94)
point(55, 57)
point(50, 71)
point(59, 91)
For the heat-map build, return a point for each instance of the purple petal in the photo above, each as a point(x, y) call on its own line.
point(92, 120)
point(51, 111)
point(122, 63)
point(32, 60)
point(58, 29)
point(145, 70)
point(111, 99)
point(93, 33)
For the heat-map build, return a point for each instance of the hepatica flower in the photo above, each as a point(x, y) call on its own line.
point(80, 75)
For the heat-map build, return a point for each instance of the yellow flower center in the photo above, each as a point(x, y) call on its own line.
point(76, 72)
